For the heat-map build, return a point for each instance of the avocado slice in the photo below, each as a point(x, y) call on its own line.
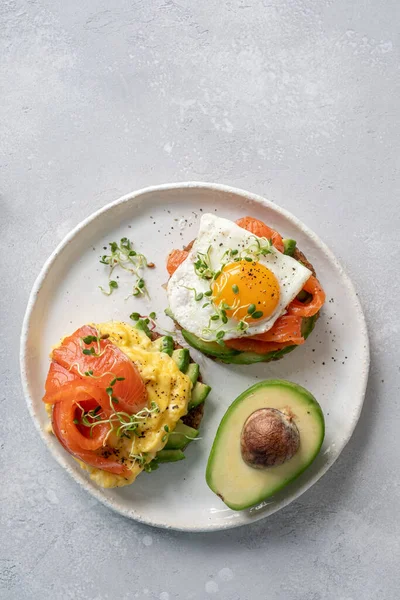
point(289, 246)
point(200, 392)
point(164, 344)
point(143, 325)
point(229, 356)
point(210, 348)
point(180, 437)
point(164, 456)
point(237, 483)
point(193, 372)
point(182, 358)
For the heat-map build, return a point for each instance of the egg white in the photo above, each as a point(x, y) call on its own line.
point(222, 235)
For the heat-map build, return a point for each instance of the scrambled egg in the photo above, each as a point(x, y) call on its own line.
point(166, 386)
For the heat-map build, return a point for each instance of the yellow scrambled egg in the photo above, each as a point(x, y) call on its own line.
point(166, 386)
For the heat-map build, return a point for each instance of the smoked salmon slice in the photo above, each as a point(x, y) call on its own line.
point(84, 356)
point(175, 258)
point(57, 377)
point(309, 309)
point(260, 229)
point(285, 329)
point(99, 457)
point(251, 345)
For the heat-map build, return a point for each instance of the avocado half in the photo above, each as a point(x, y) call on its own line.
point(230, 356)
point(240, 485)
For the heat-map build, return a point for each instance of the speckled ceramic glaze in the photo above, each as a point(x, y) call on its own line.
point(333, 364)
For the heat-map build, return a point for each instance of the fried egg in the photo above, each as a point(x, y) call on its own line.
point(233, 283)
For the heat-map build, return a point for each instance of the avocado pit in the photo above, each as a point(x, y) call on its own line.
point(269, 438)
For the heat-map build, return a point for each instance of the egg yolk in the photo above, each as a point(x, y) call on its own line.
point(249, 289)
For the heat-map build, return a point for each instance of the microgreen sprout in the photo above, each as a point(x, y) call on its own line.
point(252, 253)
point(257, 314)
point(124, 256)
point(251, 309)
point(197, 295)
point(91, 339)
point(112, 285)
point(202, 265)
point(140, 289)
point(148, 323)
point(260, 247)
point(139, 458)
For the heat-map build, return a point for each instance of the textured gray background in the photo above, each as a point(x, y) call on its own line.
point(293, 99)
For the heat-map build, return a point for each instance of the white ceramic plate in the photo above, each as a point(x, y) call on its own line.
point(333, 364)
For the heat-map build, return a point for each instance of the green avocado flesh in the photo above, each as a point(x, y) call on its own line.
point(289, 246)
point(241, 486)
point(164, 456)
point(210, 348)
point(182, 358)
point(180, 437)
point(200, 392)
point(193, 372)
point(229, 356)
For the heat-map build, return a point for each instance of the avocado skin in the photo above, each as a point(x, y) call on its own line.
point(314, 406)
point(229, 356)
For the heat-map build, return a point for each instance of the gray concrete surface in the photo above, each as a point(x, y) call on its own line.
point(297, 100)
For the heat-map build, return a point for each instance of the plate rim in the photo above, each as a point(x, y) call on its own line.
point(216, 187)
